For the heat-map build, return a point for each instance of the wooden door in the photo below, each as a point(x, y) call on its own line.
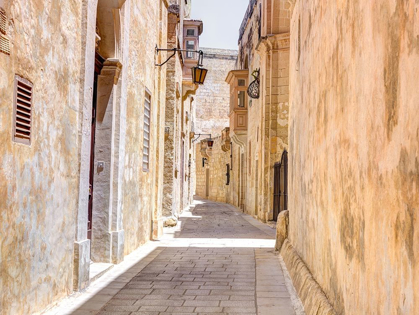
point(280, 186)
point(98, 67)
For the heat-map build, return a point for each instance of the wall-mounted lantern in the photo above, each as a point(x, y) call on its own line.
point(199, 73)
point(210, 143)
point(204, 134)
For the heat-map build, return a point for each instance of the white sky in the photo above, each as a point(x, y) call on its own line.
point(222, 20)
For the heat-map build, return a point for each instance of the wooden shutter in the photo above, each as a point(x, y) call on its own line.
point(146, 140)
point(4, 41)
point(22, 111)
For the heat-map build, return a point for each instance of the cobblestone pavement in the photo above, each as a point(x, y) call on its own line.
point(221, 262)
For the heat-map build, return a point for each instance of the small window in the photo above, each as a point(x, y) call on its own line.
point(228, 174)
point(242, 82)
point(4, 41)
point(22, 111)
point(190, 45)
point(190, 32)
point(146, 140)
point(241, 99)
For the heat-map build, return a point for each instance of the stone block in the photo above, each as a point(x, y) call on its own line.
point(81, 265)
point(117, 246)
point(281, 229)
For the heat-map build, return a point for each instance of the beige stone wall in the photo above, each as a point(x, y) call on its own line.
point(213, 98)
point(211, 108)
point(44, 186)
point(354, 147)
point(264, 45)
point(218, 191)
point(142, 74)
point(39, 183)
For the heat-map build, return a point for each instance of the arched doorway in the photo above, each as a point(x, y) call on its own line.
point(280, 185)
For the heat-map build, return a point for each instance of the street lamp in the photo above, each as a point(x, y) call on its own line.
point(199, 73)
point(210, 141)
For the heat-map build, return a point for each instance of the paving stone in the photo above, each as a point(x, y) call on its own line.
point(203, 279)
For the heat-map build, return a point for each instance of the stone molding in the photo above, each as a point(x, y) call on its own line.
point(274, 43)
point(226, 140)
point(312, 296)
point(109, 76)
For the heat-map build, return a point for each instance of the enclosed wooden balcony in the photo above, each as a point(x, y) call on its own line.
point(238, 81)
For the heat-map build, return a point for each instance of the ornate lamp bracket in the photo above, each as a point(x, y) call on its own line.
point(254, 88)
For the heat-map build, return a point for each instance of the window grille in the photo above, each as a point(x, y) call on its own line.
point(190, 32)
point(190, 45)
point(146, 141)
point(4, 41)
point(22, 111)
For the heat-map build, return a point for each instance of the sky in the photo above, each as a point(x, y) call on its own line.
point(222, 20)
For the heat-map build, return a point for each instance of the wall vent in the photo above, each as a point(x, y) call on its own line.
point(4, 41)
point(4, 45)
point(3, 21)
point(22, 111)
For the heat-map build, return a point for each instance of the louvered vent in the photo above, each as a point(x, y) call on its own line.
point(146, 140)
point(4, 41)
point(22, 111)
point(2, 21)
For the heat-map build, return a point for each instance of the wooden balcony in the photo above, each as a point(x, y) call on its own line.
point(238, 80)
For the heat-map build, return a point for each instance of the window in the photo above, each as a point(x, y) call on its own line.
point(146, 141)
point(4, 41)
point(241, 99)
point(22, 111)
point(241, 82)
point(190, 45)
point(190, 32)
point(228, 174)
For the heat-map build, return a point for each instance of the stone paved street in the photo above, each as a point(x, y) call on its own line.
point(219, 262)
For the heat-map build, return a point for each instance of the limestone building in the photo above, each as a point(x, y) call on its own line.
point(178, 151)
point(82, 126)
point(211, 118)
point(257, 138)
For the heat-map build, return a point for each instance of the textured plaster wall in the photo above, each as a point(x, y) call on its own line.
point(39, 183)
point(139, 191)
point(354, 152)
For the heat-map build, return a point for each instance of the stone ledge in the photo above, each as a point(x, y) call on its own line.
point(312, 296)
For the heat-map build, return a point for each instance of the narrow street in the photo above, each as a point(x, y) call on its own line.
point(219, 261)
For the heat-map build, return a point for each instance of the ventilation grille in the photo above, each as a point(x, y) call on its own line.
point(2, 21)
point(22, 111)
point(4, 45)
point(146, 140)
point(4, 41)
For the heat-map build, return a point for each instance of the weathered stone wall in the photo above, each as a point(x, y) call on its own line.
point(219, 190)
point(353, 162)
point(142, 74)
point(44, 186)
point(213, 98)
point(39, 183)
point(264, 45)
point(212, 104)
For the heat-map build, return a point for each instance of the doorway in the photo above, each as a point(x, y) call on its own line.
point(207, 182)
point(280, 185)
point(182, 174)
point(99, 60)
